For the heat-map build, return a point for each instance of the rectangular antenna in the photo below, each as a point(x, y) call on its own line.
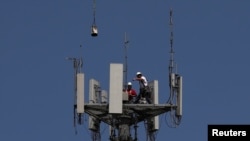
point(94, 91)
point(94, 124)
point(179, 96)
point(80, 93)
point(153, 85)
point(115, 88)
point(125, 96)
point(104, 96)
point(94, 97)
point(173, 81)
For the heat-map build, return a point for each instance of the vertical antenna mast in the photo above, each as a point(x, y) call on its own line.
point(125, 71)
point(175, 80)
point(171, 65)
point(171, 62)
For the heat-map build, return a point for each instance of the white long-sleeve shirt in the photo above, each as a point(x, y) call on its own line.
point(143, 82)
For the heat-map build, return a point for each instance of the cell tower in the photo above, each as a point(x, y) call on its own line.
point(112, 107)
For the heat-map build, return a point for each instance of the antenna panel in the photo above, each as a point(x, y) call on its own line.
point(115, 88)
point(173, 79)
point(80, 93)
point(124, 96)
point(153, 85)
point(94, 97)
point(94, 91)
point(179, 96)
point(110, 130)
point(94, 124)
point(104, 96)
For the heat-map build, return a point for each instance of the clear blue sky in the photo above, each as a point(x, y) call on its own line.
point(211, 43)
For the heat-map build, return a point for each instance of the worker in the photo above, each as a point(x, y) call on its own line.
point(144, 93)
point(131, 92)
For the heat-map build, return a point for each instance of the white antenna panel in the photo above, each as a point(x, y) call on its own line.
point(115, 88)
point(124, 96)
point(80, 93)
point(94, 124)
point(94, 91)
point(153, 85)
point(179, 97)
point(173, 79)
point(94, 97)
point(110, 130)
point(104, 97)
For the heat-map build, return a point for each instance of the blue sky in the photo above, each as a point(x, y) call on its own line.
point(211, 43)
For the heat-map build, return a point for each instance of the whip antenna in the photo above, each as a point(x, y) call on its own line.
point(125, 71)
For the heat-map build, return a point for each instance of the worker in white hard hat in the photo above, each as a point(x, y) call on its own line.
point(131, 92)
point(142, 79)
point(144, 89)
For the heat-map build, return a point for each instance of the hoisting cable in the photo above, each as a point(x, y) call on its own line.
point(94, 11)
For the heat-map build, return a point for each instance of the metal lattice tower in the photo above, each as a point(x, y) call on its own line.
point(115, 110)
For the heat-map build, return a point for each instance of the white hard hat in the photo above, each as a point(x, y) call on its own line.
point(138, 73)
point(129, 83)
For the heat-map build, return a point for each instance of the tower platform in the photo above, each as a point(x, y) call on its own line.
point(132, 113)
